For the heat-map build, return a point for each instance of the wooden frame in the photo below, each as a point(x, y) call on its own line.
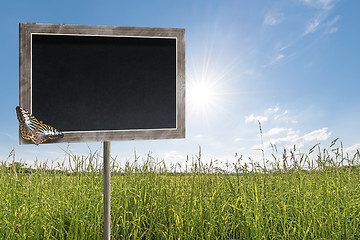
point(28, 30)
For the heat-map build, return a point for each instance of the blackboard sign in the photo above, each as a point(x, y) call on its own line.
point(104, 83)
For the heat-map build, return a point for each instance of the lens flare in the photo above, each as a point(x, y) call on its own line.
point(202, 96)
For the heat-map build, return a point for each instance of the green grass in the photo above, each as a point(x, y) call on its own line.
point(300, 196)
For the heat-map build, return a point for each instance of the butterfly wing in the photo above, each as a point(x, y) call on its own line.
point(25, 117)
point(55, 134)
point(38, 138)
point(19, 113)
point(25, 131)
point(32, 129)
point(49, 131)
point(27, 122)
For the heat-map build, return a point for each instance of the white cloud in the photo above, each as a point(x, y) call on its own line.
point(173, 155)
point(279, 57)
point(272, 19)
point(333, 21)
point(272, 110)
point(320, 135)
point(274, 60)
point(286, 142)
point(332, 30)
point(312, 26)
point(352, 149)
point(322, 4)
point(315, 24)
point(274, 131)
point(273, 113)
point(284, 117)
point(323, 9)
point(293, 138)
point(253, 118)
point(330, 25)
point(326, 3)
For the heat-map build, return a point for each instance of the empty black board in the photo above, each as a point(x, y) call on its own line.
point(87, 83)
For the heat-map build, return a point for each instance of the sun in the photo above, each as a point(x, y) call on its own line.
point(208, 82)
point(204, 97)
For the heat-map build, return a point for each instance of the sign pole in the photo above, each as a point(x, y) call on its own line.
point(107, 191)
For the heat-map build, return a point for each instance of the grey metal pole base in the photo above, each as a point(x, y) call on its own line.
point(107, 190)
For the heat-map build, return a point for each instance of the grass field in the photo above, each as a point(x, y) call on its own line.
point(300, 196)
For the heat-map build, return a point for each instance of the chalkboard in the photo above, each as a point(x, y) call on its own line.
point(104, 83)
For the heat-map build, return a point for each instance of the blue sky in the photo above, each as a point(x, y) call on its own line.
point(294, 65)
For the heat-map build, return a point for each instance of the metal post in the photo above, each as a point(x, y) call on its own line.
point(107, 191)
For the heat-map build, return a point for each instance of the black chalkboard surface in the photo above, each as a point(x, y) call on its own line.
point(102, 83)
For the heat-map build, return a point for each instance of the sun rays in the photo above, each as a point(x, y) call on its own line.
point(208, 86)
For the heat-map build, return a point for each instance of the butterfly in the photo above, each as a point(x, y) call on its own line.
point(34, 130)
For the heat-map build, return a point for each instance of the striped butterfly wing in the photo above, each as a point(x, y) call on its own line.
point(39, 137)
point(48, 131)
point(32, 129)
point(27, 123)
point(25, 131)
